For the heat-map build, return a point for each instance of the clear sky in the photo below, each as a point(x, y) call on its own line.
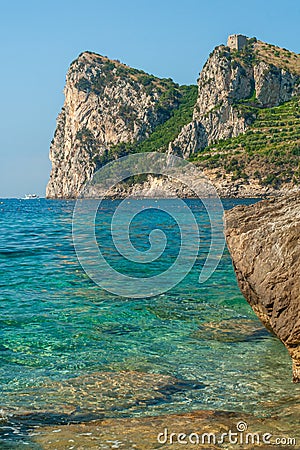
point(39, 39)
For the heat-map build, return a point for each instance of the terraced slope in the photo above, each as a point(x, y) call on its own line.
point(268, 151)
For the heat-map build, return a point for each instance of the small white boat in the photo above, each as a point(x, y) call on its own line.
point(30, 197)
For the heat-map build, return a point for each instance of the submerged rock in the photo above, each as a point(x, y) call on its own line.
point(264, 242)
point(93, 396)
point(231, 331)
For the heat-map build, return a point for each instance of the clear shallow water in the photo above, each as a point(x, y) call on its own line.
point(56, 325)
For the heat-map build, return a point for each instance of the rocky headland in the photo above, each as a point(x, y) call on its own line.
point(264, 242)
point(240, 124)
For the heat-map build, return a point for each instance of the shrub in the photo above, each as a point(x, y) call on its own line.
point(83, 85)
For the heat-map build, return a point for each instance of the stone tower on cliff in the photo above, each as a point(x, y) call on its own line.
point(237, 41)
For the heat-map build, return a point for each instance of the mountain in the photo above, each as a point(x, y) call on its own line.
point(107, 106)
point(240, 124)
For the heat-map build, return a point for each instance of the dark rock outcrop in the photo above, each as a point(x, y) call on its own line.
point(264, 242)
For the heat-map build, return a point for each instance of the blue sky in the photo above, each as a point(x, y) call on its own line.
point(39, 39)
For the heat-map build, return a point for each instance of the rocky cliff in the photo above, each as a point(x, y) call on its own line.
point(248, 109)
point(106, 103)
point(111, 110)
point(230, 79)
point(264, 242)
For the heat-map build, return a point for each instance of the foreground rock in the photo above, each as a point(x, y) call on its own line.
point(264, 242)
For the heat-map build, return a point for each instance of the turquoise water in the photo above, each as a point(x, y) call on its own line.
point(57, 325)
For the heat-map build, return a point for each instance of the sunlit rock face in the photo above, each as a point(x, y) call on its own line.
point(106, 103)
point(264, 242)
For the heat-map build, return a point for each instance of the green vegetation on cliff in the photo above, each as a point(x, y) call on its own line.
point(112, 70)
point(278, 57)
point(164, 133)
point(268, 151)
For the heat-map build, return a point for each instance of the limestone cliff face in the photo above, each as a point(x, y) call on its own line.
point(106, 103)
point(221, 85)
point(190, 139)
point(264, 242)
point(274, 85)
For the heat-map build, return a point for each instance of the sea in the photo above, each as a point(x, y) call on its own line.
point(72, 351)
